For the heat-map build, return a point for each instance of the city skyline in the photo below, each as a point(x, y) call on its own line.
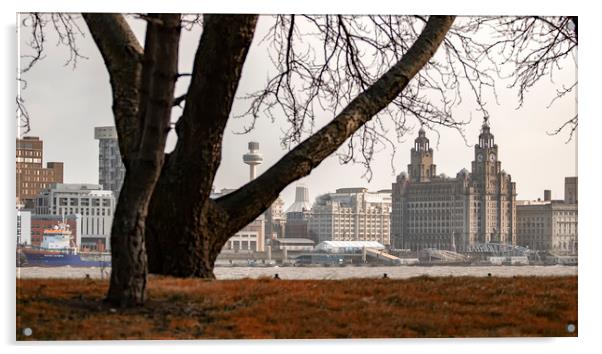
point(67, 104)
point(535, 160)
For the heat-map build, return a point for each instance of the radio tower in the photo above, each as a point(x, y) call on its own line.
point(252, 158)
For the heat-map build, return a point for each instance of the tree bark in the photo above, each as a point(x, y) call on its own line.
point(183, 221)
point(142, 134)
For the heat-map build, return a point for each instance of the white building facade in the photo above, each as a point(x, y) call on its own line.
point(351, 214)
point(23, 227)
point(550, 225)
point(95, 205)
point(251, 238)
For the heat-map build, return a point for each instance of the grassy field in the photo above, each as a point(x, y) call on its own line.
point(267, 308)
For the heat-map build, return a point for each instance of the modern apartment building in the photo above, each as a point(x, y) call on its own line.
point(95, 205)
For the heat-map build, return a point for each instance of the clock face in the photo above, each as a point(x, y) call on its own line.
point(480, 157)
point(492, 157)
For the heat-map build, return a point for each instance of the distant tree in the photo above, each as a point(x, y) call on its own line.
point(363, 70)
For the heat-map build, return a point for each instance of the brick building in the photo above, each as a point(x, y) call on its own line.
point(31, 176)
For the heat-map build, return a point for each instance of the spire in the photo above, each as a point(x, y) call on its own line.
point(422, 142)
point(485, 122)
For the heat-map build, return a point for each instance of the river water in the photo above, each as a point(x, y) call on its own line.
point(398, 272)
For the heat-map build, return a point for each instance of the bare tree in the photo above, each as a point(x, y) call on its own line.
point(186, 228)
point(367, 72)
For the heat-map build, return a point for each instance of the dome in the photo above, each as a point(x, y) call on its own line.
point(463, 172)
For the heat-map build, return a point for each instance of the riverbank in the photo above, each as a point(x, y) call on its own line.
point(323, 273)
point(71, 309)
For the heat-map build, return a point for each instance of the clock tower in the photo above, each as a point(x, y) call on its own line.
point(495, 193)
point(485, 153)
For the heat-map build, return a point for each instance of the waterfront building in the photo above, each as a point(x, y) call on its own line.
point(31, 177)
point(111, 170)
point(95, 205)
point(293, 244)
point(549, 225)
point(348, 246)
point(351, 214)
point(251, 238)
point(436, 211)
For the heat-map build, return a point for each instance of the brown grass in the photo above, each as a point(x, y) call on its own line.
point(266, 308)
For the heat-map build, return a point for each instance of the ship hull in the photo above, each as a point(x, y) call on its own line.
point(41, 259)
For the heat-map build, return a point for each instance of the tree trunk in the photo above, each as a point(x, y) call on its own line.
point(143, 87)
point(183, 222)
point(128, 256)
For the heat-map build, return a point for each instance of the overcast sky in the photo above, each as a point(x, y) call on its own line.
point(66, 104)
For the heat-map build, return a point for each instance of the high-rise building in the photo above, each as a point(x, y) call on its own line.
point(111, 170)
point(95, 205)
point(550, 225)
point(435, 211)
point(351, 214)
point(31, 176)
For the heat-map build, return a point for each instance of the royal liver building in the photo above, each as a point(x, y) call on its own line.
point(434, 211)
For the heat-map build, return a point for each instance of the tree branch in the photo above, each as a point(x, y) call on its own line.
point(122, 55)
point(216, 73)
point(258, 194)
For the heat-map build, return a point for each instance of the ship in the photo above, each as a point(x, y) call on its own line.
point(58, 249)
